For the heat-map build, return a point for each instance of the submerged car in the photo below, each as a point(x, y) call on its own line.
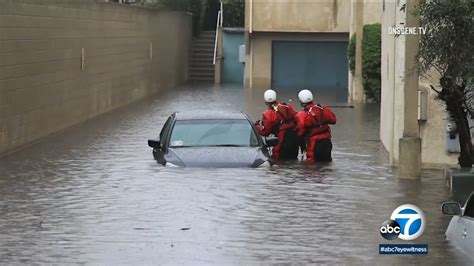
point(218, 139)
point(461, 227)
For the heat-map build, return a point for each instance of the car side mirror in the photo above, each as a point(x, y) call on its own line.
point(451, 208)
point(154, 143)
point(271, 142)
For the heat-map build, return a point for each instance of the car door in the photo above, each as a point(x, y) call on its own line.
point(467, 226)
point(461, 228)
point(165, 131)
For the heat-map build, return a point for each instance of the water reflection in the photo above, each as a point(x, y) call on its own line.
point(94, 195)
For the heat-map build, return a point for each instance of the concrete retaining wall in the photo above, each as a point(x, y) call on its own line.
point(129, 53)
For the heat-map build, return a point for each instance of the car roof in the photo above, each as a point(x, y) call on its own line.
point(216, 115)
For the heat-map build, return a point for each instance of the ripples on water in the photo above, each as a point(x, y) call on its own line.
point(93, 194)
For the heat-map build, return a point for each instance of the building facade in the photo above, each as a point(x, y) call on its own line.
point(403, 132)
point(293, 44)
point(287, 43)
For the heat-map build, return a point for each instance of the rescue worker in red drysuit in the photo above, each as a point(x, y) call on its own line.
point(314, 133)
point(280, 120)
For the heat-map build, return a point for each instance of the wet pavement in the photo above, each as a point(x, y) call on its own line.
point(93, 194)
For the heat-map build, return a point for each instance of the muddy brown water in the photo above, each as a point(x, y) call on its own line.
point(93, 194)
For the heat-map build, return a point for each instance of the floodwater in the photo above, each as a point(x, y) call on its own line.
point(93, 194)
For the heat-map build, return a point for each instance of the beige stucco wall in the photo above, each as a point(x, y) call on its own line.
point(42, 87)
point(388, 81)
point(393, 71)
point(300, 15)
point(398, 86)
point(373, 11)
point(432, 134)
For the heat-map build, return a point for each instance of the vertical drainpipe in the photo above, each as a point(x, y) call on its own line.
point(251, 16)
point(358, 87)
point(352, 31)
point(393, 65)
point(250, 44)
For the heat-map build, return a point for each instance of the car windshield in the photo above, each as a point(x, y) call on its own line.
point(219, 133)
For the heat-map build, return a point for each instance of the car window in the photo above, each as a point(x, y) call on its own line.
point(192, 133)
point(469, 208)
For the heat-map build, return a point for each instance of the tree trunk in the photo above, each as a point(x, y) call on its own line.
point(454, 105)
point(465, 158)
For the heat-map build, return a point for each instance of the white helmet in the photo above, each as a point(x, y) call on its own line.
point(305, 96)
point(270, 96)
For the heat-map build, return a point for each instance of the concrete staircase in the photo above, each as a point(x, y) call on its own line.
point(202, 68)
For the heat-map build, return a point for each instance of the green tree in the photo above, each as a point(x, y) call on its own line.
point(209, 18)
point(181, 5)
point(234, 13)
point(205, 11)
point(448, 49)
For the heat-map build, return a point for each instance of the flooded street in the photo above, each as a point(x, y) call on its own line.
point(93, 194)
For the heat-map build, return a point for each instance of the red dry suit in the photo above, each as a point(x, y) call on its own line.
point(313, 125)
point(279, 119)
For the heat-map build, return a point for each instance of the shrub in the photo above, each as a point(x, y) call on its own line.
point(371, 53)
point(351, 50)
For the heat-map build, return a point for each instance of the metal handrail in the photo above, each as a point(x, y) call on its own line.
point(222, 13)
point(220, 18)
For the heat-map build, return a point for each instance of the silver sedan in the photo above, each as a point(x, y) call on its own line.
point(461, 227)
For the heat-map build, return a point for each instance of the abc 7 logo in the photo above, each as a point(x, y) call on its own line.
point(407, 222)
point(390, 229)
